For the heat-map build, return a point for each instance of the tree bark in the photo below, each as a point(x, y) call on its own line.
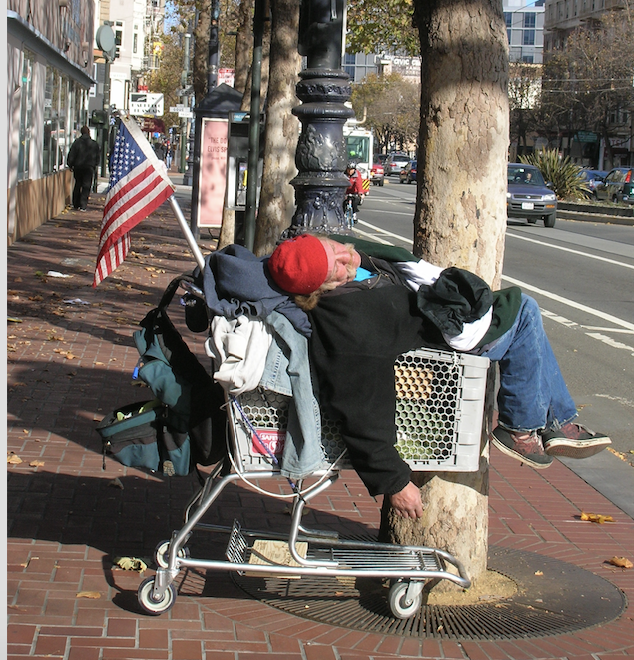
point(201, 51)
point(264, 72)
point(460, 220)
point(244, 44)
point(277, 200)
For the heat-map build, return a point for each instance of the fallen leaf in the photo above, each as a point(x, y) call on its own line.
point(596, 518)
point(116, 483)
point(130, 564)
point(539, 572)
point(621, 562)
point(36, 463)
point(14, 459)
point(88, 594)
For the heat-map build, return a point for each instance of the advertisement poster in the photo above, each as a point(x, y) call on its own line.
point(213, 172)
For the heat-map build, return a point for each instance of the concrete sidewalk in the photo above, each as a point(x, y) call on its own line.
point(70, 361)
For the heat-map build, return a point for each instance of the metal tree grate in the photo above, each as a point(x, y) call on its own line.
point(564, 599)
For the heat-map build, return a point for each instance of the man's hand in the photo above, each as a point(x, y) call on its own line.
point(407, 502)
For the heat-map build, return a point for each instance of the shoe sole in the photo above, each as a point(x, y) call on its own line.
point(564, 447)
point(513, 454)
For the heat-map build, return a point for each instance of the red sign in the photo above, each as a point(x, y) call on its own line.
point(153, 125)
point(268, 442)
point(142, 88)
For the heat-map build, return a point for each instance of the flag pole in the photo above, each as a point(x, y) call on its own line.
point(189, 236)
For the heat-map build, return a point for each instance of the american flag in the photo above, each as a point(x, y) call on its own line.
point(138, 186)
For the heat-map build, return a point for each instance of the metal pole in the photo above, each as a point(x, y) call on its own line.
point(106, 108)
point(254, 127)
point(184, 79)
point(321, 150)
point(187, 232)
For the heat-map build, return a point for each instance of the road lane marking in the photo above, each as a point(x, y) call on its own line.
point(610, 342)
point(565, 249)
point(382, 231)
point(621, 331)
point(571, 303)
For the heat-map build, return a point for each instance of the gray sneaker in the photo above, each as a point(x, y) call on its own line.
point(524, 447)
point(575, 441)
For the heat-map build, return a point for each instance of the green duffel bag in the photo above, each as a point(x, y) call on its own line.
point(146, 434)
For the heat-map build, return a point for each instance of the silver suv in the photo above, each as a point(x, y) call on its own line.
point(395, 162)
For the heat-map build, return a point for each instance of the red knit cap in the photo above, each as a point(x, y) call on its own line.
point(301, 264)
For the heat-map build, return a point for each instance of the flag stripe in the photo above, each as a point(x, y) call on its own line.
point(116, 221)
point(138, 186)
point(128, 183)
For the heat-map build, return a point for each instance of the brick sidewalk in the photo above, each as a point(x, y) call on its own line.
point(70, 362)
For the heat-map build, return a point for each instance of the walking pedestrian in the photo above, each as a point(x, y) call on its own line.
point(83, 158)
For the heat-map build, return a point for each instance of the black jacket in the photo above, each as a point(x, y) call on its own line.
point(359, 330)
point(83, 154)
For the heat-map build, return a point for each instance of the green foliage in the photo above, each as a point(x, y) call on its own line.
point(562, 173)
point(376, 26)
point(392, 108)
point(167, 78)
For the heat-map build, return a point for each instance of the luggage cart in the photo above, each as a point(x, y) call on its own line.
point(440, 400)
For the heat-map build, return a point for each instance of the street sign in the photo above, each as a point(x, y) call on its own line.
point(178, 108)
point(187, 114)
point(144, 103)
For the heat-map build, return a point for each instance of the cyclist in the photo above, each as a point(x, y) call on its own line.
point(355, 190)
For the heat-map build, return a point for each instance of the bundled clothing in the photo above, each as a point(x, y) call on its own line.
point(259, 338)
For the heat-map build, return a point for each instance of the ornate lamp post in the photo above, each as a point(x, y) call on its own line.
point(321, 150)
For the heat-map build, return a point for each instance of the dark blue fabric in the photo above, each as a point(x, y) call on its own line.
point(236, 283)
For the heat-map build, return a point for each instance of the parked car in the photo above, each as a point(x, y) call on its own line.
point(395, 162)
point(528, 196)
point(618, 186)
point(377, 174)
point(591, 178)
point(408, 173)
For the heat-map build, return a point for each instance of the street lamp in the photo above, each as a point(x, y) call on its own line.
point(321, 150)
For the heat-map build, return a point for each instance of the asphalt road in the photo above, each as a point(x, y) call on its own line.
point(582, 275)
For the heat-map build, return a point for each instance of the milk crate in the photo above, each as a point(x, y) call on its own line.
point(439, 409)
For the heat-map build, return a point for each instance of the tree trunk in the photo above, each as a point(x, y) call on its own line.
point(460, 220)
point(201, 51)
point(264, 74)
point(282, 128)
point(244, 44)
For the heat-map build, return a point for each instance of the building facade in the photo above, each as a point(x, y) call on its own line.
point(562, 17)
point(49, 61)
point(525, 30)
point(138, 27)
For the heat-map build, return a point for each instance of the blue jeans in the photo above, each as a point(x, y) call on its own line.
point(533, 394)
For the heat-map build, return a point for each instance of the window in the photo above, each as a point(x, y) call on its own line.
point(528, 38)
point(135, 39)
point(529, 20)
point(26, 115)
point(51, 100)
point(508, 17)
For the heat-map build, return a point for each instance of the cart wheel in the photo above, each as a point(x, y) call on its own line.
point(147, 602)
point(161, 553)
point(401, 609)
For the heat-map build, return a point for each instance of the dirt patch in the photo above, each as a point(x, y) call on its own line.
point(490, 588)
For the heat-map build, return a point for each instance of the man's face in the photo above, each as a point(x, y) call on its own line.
point(347, 260)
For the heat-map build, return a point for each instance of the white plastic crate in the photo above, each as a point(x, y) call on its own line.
point(439, 409)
